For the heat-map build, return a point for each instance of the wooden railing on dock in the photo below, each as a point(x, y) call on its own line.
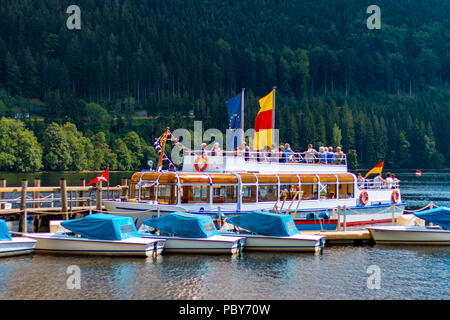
point(62, 205)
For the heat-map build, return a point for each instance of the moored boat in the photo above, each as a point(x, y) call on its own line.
point(190, 233)
point(98, 234)
point(266, 231)
point(12, 246)
point(416, 235)
point(238, 184)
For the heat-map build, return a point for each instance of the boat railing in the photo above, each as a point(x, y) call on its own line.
point(375, 184)
point(274, 157)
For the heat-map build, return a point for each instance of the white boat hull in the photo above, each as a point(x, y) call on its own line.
point(295, 243)
point(409, 235)
point(16, 246)
point(217, 244)
point(61, 244)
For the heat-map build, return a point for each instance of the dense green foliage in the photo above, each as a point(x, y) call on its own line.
point(378, 93)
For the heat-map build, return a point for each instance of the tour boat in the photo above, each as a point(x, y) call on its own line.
point(190, 233)
point(12, 246)
point(431, 235)
point(235, 184)
point(98, 234)
point(266, 231)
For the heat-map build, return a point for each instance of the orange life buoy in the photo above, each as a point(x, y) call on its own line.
point(364, 197)
point(395, 196)
point(201, 163)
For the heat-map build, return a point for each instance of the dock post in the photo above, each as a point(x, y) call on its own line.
point(339, 218)
point(124, 182)
point(37, 204)
point(98, 196)
point(81, 194)
point(393, 214)
point(345, 218)
point(63, 191)
point(2, 194)
point(23, 207)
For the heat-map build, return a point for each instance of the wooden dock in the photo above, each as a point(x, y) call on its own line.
point(63, 201)
point(355, 237)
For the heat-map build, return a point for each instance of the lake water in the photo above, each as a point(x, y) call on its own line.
point(341, 272)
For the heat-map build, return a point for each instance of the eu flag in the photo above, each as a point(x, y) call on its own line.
point(234, 112)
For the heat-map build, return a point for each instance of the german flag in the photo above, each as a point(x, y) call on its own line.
point(377, 169)
point(263, 123)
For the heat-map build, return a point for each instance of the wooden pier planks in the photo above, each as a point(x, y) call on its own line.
point(344, 237)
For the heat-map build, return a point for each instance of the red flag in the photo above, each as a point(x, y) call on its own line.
point(103, 177)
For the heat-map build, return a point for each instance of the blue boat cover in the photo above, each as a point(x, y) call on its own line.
point(101, 226)
point(439, 216)
point(4, 232)
point(265, 223)
point(184, 225)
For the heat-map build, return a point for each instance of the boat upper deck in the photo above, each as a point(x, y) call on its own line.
point(262, 162)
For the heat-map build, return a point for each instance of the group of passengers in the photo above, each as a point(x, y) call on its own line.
point(283, 154)
point(390, 182)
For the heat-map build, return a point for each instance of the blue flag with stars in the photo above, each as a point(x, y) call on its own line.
point(234, 112)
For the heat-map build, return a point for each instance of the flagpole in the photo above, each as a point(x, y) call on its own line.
point(273, 115)
point(107, 180)
point(242, 116)
point(163, 147)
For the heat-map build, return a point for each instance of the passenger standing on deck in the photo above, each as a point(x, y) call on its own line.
point(310, 154)
point(395, 181)
point(378, 181)
point(388, 180)
point(361, 181)
point(204, 151)
point(339, 155)
point(322, 155)
point(289, 154)
point(330, 155)
point(215, 150)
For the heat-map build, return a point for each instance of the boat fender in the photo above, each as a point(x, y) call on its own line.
point(201, 163)
point(395, 196)
point(364, 197)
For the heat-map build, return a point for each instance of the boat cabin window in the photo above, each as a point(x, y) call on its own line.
point(148, 192)
point(290, 189)
point(328, 191)
point(224, 194)
point(309, 191)
point(195, 194)
point(248, 193)
point(267, 193)
point(167, 194)
point(346, 190)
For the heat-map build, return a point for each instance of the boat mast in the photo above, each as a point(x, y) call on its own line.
point(273, 115)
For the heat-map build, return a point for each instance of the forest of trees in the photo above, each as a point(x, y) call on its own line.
point(68, 98)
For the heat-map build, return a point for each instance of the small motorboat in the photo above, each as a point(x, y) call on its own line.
point(98, 234)
point(190, 233)
point(265, 231)
point(12, 246)
point(438, 234)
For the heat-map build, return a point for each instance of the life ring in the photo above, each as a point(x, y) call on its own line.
point(395, 196)
point(364, 197)
point(203, 161)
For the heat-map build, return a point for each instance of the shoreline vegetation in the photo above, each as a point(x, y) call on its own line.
point(81, 99)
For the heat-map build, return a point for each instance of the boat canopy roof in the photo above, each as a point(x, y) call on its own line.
point(265, 223)
point(232, 178)
point(101, 226)
point(4, 232)
point(439, 216)
point(185, 225)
